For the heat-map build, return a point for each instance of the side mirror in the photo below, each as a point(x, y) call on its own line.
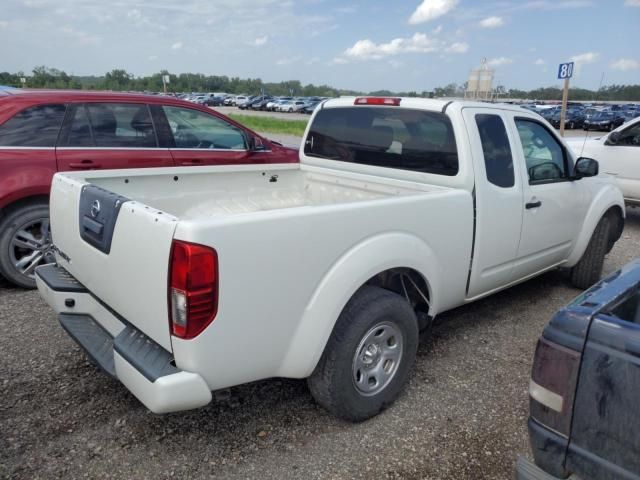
point(256, 145)
point(613, 138)
point(585, 167)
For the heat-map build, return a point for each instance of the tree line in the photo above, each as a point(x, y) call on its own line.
point(121, 80)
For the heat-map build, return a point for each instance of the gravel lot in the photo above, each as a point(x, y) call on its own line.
point(463, 416)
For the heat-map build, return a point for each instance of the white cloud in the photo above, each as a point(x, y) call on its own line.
point(499, 61)
point(418, 43)
point(632, 3)
point(287, 60)
point(539, 61)
point(153, 57)
point(431, 9)
point(492, 22)
point(258, 42)
point(437, 30)
point(339, 61)
point(176, 46)
point(625, 64)
point(585, 58)
point(458, 47)
point(4, 24)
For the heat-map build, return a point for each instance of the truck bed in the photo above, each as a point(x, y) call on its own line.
point(196, 193)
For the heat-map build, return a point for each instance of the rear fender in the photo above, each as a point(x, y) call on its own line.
point(344, 278)
point(608, 196)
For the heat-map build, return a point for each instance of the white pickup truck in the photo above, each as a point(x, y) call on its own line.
point(182, 281)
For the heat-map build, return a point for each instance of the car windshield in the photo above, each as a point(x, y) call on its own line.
point(602, 116)
point(386, 137)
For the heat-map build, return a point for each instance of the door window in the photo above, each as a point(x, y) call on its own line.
point(630, 137)
point(121, 125)
point(545, 157)
point(496, 150)
point(33, 127)
point(199, 130)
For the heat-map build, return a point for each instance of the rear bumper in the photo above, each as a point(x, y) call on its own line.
point(122, 351)
point(527, 470)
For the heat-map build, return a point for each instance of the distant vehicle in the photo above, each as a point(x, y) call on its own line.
point(240, 99)
point(310, 107)
point(573, 119)
point(619, 155)
point(245, 104)
point(43, 132)
point(584, 386)
point(213, 102)
point(605, 120)
point(291, 106)
point(261, 104)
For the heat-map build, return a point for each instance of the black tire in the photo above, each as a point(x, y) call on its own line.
point(333, 382)
point(16, 221)
point(588, 270)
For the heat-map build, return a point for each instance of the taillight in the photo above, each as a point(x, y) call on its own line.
point(193, 288)
point(393, 101)
point(553, 385)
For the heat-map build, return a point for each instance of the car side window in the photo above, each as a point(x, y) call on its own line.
point(195, 129)
point(630, 137)
point(496, 149)
point(121, 125)
point(33, 127)
point(544, 155)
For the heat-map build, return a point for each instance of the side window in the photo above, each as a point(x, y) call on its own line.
point(33, 127)
point(79, 133)
point(544, 156)
point(194, 129)
point(496, 150)
point(121, 125)
point(630, 137)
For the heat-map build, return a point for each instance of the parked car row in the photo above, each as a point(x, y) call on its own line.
point(270, 103)
point(587, 117)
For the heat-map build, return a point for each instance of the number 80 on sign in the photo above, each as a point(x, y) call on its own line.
point(565, 70)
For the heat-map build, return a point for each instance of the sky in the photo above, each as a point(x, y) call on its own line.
point(364, 45)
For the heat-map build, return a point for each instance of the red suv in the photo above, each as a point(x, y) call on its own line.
point(43, 132)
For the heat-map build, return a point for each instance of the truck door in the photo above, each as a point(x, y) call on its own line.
point(604, 435)
point(498, 200)
point(554, 206)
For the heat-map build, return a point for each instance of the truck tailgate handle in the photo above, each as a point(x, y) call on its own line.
point(92, 225)
point(530, 205)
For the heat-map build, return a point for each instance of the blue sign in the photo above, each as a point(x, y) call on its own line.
point(565, 70)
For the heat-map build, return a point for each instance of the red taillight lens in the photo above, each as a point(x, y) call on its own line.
point(193, 288)
point(393, 101)
point(553, 385)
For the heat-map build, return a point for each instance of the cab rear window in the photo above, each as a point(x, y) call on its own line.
point(385, 137)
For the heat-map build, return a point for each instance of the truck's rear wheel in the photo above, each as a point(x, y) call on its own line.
point(25, 243)
point(588, 270)
point(368, 357)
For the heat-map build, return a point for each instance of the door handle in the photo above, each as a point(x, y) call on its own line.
point(531, 205)
point(85, 164)
point(191, 161)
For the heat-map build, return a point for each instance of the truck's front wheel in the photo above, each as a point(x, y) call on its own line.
point(588, 270)
point(368, 357)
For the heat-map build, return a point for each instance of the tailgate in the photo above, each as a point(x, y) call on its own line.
point(118, 249)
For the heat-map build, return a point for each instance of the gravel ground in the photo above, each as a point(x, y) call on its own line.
point(463, 415)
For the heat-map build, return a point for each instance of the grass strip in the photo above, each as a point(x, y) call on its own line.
point(271, 125)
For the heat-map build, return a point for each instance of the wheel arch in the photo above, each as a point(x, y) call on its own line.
point(23, 202)
point(400, 254)
point(608, 201)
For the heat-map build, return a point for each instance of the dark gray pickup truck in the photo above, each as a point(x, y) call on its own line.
point(585, 386)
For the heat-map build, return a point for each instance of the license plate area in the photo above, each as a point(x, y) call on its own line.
point(98, 213)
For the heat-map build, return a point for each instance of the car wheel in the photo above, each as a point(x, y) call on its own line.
point(588, 270)
point(367, 359)
point(570, 126)
point(25, 243)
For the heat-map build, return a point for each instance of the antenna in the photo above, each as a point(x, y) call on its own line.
point(586, 132)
